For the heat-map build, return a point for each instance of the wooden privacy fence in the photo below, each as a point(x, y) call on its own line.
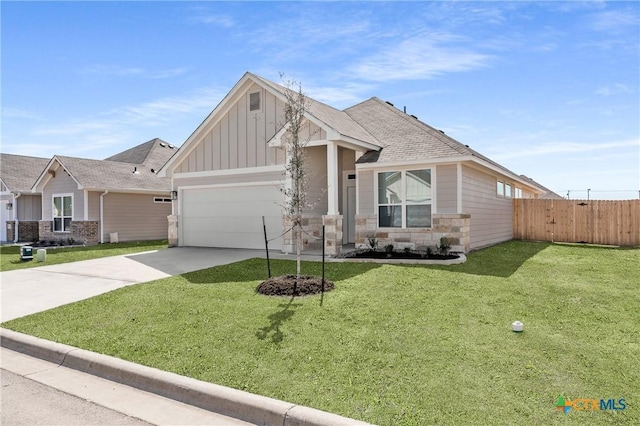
point(577, 221)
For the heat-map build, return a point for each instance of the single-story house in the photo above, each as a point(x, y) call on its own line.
point(374, 171)
point(84, 200)
point(96, 201)
point(20, 209)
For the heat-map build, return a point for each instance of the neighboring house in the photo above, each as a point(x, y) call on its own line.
point(374, 171)
point(20, 209)
point(92, 201)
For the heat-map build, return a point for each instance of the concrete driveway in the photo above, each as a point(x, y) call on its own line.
point(28, 291)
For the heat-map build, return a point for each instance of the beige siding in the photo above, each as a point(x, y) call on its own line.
point(135, 217)
point(29, 207)
point(317, 179)
point(446, 188)
point(491, 216)
point(239, 138)
point(365, 192)
point(62, 183)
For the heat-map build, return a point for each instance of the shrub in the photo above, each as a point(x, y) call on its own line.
point(445, 246)
point(372, 242)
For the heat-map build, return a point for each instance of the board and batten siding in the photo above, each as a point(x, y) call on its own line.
point(29, 207)
point(317, 180)
point(365, 192)
point(135, 217)
point(446, 190)
point(238, 139)
point(94, 205)
point(491, 216)
point(62, 183)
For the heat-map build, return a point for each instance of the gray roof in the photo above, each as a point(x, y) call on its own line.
point(404, 138)
point(334, 118)
point(19, 172)
point(113, 175)
point(117, 171)
point(154, 153)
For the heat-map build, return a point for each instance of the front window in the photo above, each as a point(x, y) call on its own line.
point(404, 199)
point(62, 213)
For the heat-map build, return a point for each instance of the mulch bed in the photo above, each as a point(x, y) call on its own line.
point(377, 254)
point(283, 286)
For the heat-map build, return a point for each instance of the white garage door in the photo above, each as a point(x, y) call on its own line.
point(231, 216)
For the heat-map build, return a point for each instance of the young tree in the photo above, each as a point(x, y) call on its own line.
point(295, 142)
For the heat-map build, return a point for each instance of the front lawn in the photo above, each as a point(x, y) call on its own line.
point(10, 255)
point(392, 345)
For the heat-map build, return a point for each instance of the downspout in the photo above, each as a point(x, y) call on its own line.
point(15, 217)
point(106, 191)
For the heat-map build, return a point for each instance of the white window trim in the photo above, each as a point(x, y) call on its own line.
point(498, 194)
point(53, 208)
point(510, 195)
point(404, 204)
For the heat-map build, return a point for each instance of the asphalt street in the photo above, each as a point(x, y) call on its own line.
point(29, 403)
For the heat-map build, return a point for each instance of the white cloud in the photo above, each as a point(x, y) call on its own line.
point(122, 71)
point(147, 114)
point(418, 58)
point(613, 89)
point(219, 20)
point(614, 21)
point(8, 112)
point(563, 148)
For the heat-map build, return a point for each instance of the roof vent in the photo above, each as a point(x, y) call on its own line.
point(389, 103)
point(441, 131)
point(153, 171)
point(171, 146)
point(162, 144)
point(414, 116)
point(467, 146)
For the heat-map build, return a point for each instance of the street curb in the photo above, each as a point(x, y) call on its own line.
point(226, 401)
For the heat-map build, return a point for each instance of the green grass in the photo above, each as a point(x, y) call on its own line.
point(392, 345)
point(10, 255)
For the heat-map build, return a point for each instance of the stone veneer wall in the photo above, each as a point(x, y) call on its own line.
point(85, 232)
point(456, 227)
point(311, 236)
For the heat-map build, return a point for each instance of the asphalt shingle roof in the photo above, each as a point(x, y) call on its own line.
point(117, 171)
point(332, 117)
point(19, 172)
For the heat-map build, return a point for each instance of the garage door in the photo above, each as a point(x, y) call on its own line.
point(231, 216)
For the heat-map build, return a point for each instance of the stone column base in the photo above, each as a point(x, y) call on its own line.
point(333, 234)
point(173, 230)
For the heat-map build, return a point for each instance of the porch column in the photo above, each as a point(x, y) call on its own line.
point(332, 179)
point(332, 220)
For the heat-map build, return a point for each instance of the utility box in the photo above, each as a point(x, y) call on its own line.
point(42, 255)
point(26, 253)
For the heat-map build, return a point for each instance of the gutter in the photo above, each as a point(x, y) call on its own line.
point(102, 215)
point(15, 217)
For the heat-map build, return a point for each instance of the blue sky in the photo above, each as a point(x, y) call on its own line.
point(548, 89)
